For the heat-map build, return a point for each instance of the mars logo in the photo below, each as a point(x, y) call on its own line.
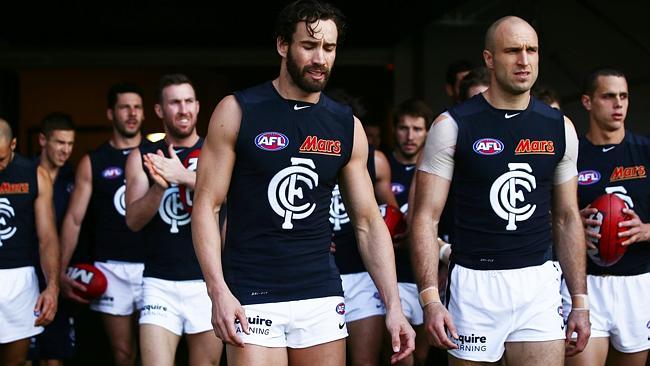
point(340, 308)
point(171, 210)
point(338, 215)
point(488, 146)
point(119, 201)
point(284, 192)
point(588, 177)
point(112, 172)
point(6, 231)
point(271, 141)
point(504, 194)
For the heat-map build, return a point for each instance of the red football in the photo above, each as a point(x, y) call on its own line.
point(394, 220)
point(91, 277)
point(187, 195)
point(610, 212)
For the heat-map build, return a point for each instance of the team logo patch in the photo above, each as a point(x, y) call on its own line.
point(316, 145)
point(625, 173)
point(340, 308)
point(397, 188)
point(271, 141)
point(287, 191)
point(338, 214)
point(540, 147)
point(588, 177)
point(112, 172)
point(506, 197)
point(488, 146)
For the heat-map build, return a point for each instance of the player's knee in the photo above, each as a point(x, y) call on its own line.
point(124, 355)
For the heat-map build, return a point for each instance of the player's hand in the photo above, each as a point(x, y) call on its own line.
point(153, 172)
point(436, 322)
point(226, 309)
point(45, 308)
point(636, 230)
point(578, 321)
point(585, 215)
point(402, 335)
point(170, 168)
point(68, 285)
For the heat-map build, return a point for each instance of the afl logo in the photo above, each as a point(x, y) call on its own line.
point(112, 172)
point(340, 308)
point(6, 231)
point(488, 146)
point(271, 141)
point(588, 177)
point(397, 188)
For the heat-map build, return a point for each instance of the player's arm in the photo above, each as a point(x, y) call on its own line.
point(142, 200)
point(374, 241)
point(435, 171)
point(213, 180)
point(69, 237)
point(569, 240)
point(383, 191)
point(48, 245)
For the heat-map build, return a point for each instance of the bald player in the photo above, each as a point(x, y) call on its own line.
point(513, 164)
point(27, 227)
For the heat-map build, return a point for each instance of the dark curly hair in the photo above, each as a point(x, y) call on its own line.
point(309, 11)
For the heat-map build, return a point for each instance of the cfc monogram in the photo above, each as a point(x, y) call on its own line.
point(338, 214)
point(504, 194)
point(6, 231)
point(285, 191)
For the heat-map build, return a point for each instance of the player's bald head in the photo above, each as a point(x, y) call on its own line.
point(503, 27)
point(6, 134)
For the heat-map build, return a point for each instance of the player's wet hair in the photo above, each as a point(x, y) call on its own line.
point(171, 79)
point(590, 82)
point(121, 88)
point(416, 108)
point(309, 11)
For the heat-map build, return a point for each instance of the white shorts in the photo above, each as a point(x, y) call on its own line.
point(295, 324)
point(490, 308)
point(362, 298)
point(18, 296)
point(182, 307)
point(123, 294)
point(408, 296)
point(619, 308)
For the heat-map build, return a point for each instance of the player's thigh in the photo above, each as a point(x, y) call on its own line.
point(594, 354)
point(545, 353)
point(121, 329)
point(365, 339)
point(453, 361)
point(326, 354)
point(616, 358)
point(157, 345)
point(204, 348)
point(14, 353)
point(253, 355)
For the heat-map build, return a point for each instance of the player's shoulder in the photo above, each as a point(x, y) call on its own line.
point(545, 110)
point(471, 106)
point(334, 106)
point(256, 94)
point(637, 140)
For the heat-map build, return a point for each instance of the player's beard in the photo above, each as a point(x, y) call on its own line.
point(124, 132)
point(300, 77)
point(176, 132)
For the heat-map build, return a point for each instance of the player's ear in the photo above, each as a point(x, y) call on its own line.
point(158, 109)
point(109, 114)
point(282, 46)
point(488, 58)
point(586, 101)
point(13, 144)
point(42, 139)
